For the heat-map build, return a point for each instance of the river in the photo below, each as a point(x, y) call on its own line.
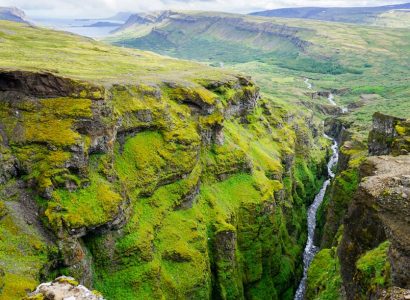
point(311, 249)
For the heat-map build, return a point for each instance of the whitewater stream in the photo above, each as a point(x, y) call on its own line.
point(311, 249)
point(331, 99)
point(308, 84)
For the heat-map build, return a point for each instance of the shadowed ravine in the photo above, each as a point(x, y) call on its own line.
point(311, 249)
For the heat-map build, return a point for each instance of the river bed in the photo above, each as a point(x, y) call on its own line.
point(311, 249)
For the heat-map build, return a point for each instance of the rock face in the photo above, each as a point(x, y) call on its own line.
point(364, 222)
point(155, 21)
point(164, 183)
point(389, 136)
point(63, 288)
point(380, 211)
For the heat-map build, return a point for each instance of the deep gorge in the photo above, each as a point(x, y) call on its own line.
point(214, 206)
point(147, 177)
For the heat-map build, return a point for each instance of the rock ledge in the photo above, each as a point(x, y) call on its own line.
point(63, 288)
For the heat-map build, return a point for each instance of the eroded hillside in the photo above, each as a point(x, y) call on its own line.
point(147, 177)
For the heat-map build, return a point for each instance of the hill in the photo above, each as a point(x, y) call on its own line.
point(12, 14)
point(357, 15)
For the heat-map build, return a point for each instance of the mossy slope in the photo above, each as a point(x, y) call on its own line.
point(183, 184)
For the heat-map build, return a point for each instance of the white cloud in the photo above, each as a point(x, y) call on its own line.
point(105, 8)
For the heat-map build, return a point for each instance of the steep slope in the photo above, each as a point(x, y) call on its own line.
point(147, 177)
point(311, 64)
point(365, 240)
point(358, 15)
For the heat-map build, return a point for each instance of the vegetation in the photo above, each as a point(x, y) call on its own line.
point(330, 55)
point(373, 270)
point(176, 185)
point(172, 179)
point(324, 280)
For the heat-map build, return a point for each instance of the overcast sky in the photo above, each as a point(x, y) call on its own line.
point(105, 8)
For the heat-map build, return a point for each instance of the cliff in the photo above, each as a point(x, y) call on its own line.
point(389, 135)
point(147, 177)
point(366, 249)
point(379, 212)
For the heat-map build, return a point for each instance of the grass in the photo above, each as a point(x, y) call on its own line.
point(82, 58)
point(362, 59)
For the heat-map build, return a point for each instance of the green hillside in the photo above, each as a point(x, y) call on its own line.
point(357, 15)
point(148, 177)
point(366, 67)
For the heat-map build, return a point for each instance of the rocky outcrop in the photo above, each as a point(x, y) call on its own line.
point(47, 85)
point(389, 135)
point(63, 288)
point(380, 211)
point(326, 109)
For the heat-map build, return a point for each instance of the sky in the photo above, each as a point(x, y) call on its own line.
point(106, 8)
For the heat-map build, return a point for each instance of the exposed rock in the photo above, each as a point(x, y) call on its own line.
point(326, 109)
point(47, 85)
point(63, 288)
point(383, 136)
point(226, 265)
point(2, 274)
point(380, 210)
point(395, 293)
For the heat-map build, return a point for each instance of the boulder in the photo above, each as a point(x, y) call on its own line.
point(63, 288)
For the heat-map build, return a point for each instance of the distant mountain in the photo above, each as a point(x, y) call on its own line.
point(103, 24)
point(147, 18)
point(359, 15)
point(12, 14)
point(121, 16)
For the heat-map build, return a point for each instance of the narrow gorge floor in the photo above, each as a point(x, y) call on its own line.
point(311, 249)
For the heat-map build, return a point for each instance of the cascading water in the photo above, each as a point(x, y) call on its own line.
point(308, 84)
point(331, 99)
point(311, 249)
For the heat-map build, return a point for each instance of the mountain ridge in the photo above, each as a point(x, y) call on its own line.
point(359, 15)
point(13, 14)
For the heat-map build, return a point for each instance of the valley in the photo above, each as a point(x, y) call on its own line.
point(280, 53)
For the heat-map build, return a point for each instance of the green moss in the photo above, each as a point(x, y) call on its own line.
point(401, 130)
point(183, 192)
point(147, 160)
point(68, 280)
point(73, 208)
point(3, 209)
point(373, 269)
point(197, 95)
point(324, 279)
point(335, 205)
point(53, 122)
point(35, 297)
point(22, 254)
